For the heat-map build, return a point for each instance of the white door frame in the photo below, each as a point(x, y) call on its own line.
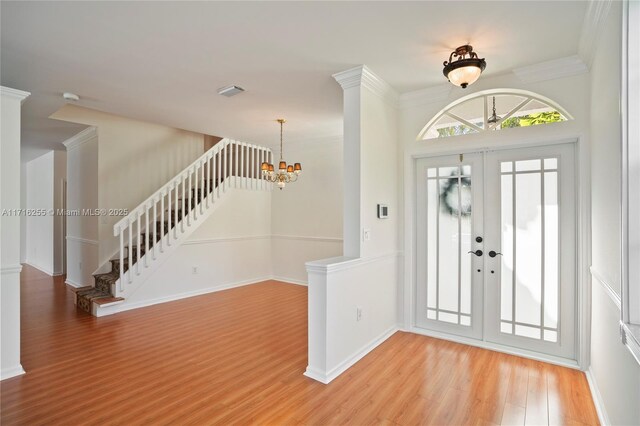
point(507, 138)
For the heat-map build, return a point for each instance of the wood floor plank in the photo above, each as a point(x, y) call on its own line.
point(238, 357)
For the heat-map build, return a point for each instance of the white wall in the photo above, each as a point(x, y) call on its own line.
point(615, 372)
point(10, 232)
point(306, 216)
point(44, 239)
point(232, 247)
point(40, 227)
point(82, 193)
point(135, 158)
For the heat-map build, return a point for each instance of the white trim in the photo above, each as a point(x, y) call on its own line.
point(430, 95)
point(149, 302)
point(362, 76)
point(226, 239)
point(592, 26)
point(551, 70)
point(350, 361)
point(608, 288)
point(305, 238)
point(289, 280)
point(564, 362)
point(11, 269)
point(21, 95)
point(8, 373)
point(629, 334)
point(40, 268)
point(81, 138)
point(597, 398)
point(341, 263)
point(82, 240)
point(73, 284)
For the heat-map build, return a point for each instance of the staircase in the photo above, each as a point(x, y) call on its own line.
point(162, 222)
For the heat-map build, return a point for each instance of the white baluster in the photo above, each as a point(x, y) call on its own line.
point(189, 198)
point(138, 215)
point(121, 259)
point(161, 242)
point(146, 236)
point(175, 211)
point(224, 168)
point(155, 227)
point(235, 163)
point(184, 217)
point(169, 215)
point(208, 180)
point(130, 250)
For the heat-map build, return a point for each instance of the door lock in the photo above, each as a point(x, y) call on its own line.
point(477, 252)
point(494, 254)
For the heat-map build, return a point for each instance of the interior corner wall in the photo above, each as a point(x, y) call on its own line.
point(135, 159)
point(40, 232)
point(59, 179)
point(615, 372)
point(306, 216)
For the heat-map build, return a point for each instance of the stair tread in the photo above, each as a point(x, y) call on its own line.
point(108, 300)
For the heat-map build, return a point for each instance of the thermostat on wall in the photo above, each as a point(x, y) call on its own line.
point(383, 211)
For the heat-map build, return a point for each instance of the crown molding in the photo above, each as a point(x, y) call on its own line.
point(434, 94)
point(594, 19)
point(21, 95)
point(79, 139)
point(362, 76)
point(550, 70)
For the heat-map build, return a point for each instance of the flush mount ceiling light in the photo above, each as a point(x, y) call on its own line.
point(466, 69)
point(286, 173)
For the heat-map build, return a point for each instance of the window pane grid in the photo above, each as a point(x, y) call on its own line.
point(448, 236)
point(529, 225)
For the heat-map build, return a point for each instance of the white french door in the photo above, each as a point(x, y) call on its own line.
point(496, 247)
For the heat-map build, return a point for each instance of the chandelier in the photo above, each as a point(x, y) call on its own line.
point(466, 69)
point(286, 173)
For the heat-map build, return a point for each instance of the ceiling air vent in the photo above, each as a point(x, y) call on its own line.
point(230, 91)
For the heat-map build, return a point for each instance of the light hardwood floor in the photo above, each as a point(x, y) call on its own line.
point(237, 357)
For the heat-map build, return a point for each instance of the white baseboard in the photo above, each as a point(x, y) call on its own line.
point(289, 280)
point(8, 373)
point(41, 268)
point(597, 398)
point(149, 302)
point(73, 283)
point(327, 377)
point(563, 362)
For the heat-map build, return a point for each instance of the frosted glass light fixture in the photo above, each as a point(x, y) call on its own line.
point(464, 70)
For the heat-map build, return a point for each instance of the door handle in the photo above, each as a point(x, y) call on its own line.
point(477, 252)
point(494, 254)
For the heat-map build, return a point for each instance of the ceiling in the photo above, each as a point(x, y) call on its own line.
point(164, 61)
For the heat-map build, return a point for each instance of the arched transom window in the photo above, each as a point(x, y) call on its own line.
point(492, 110)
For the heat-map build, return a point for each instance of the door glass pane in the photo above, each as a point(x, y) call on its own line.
point(506, 274)
point(448, 243)
point(528, 248)
point(529, 222)
point(551, 242)
point(448, 275)
point(432, 242)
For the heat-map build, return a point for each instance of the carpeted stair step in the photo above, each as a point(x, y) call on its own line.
point(85, 298)
point(103, 282)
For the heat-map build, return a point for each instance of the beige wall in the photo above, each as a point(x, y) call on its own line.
point(135, 159)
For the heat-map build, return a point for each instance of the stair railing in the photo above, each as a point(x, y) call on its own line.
point(167, 214)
